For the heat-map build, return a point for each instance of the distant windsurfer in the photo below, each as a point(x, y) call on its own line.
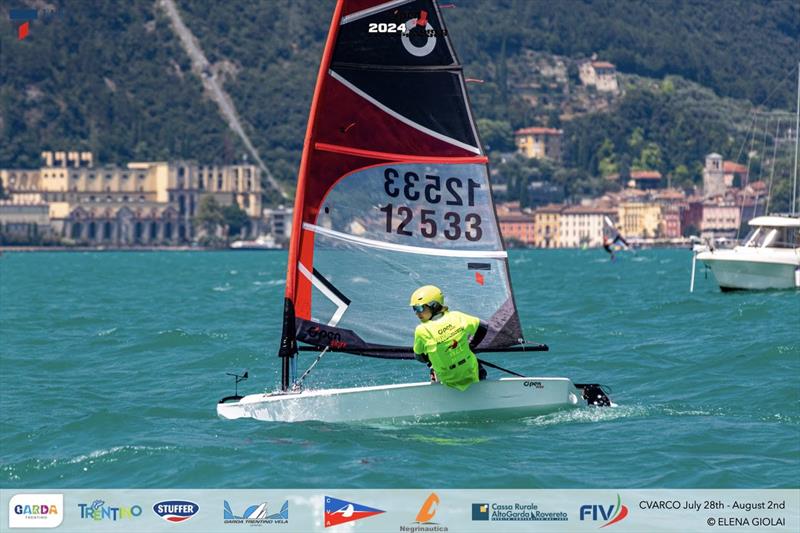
point(445, 339)
point(607, 247)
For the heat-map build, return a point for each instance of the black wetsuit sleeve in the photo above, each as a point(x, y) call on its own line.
point(479, 335)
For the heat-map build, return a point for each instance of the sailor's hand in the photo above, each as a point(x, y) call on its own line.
point(422, 358)
point(433, 376)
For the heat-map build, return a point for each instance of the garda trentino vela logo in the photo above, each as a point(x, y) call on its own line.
point(256, 515)
point(176, 510)
point(341, 511)
point(35, 510)
point(611, 513)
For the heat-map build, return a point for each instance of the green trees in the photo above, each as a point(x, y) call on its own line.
point(216, 219)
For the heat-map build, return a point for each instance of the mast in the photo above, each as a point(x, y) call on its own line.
point(288, 348)
point(796, 139)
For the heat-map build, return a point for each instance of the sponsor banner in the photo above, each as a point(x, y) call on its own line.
point(401, 511)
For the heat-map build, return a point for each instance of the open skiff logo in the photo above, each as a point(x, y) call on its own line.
point(341, 511)
point(36, 510)
point(408, 38)
point(611, 513)
point(176, 510)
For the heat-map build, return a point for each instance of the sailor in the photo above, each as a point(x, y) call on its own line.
point(445, 339)
point(607, 246)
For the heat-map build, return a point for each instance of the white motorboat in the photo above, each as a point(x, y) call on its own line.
point(768, 259)
point(264, 242)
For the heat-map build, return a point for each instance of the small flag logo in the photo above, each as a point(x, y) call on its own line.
point(341, 511)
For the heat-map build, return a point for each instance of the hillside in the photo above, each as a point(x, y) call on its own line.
point(121, 86)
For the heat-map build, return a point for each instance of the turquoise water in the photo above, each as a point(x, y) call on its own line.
point(111, 365)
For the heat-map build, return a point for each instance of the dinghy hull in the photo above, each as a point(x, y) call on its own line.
point(506, 396)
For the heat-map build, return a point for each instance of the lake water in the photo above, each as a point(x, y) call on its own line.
point(111, 365)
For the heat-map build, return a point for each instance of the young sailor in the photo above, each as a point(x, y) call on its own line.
point(442, 340)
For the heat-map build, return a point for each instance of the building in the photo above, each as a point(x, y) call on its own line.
point(734, 174)
point(539, 143)
point(517, 227)
point(583, 226)
point(645, 179)
point(713, 176)
point(670, 221)
point(23, 217)
point(140, 203)
point(278, 222)
point(639, 219)
point(720, 220)
point(546, 221)
point(599, 74)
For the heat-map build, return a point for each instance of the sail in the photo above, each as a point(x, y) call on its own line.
point(612, 236)
point(393, 191)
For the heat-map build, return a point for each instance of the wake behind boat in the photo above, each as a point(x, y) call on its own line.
point(393, 193)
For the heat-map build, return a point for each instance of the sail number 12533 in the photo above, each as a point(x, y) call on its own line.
point(433, 190)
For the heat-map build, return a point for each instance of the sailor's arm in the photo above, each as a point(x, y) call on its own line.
point(478, 336)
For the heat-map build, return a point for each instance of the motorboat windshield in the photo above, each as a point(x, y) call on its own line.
point(773, 237)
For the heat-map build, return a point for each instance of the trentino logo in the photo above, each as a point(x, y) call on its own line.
point(176, 510)
point(35, 510)
point(341, 511)
point(256, 515)
point(98, 510)
point(611, 513)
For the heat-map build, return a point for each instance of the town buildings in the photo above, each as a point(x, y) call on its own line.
point(142, 203)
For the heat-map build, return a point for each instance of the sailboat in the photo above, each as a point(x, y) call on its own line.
point(769, 257)
point(393, 193)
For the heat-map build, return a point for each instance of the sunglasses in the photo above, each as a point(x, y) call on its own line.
point(418, 308)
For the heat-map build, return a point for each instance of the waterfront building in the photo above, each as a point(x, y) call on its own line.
point(583, 226)
point(147, 203)
point(639, 219)
point(546, 220)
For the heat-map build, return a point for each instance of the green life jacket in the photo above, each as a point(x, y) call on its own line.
point(445, 339)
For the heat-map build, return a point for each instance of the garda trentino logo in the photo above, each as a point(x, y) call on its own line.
point(340, 511)
point(98, 510)
point(424, 521)
point(610, 513)
point(176, 510)
point(35, 510)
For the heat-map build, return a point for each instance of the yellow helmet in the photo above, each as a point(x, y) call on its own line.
point(426, 295)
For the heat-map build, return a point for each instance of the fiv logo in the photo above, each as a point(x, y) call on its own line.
point(611, 513)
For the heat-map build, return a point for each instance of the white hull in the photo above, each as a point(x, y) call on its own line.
point(513, 396)
point(754, 269)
